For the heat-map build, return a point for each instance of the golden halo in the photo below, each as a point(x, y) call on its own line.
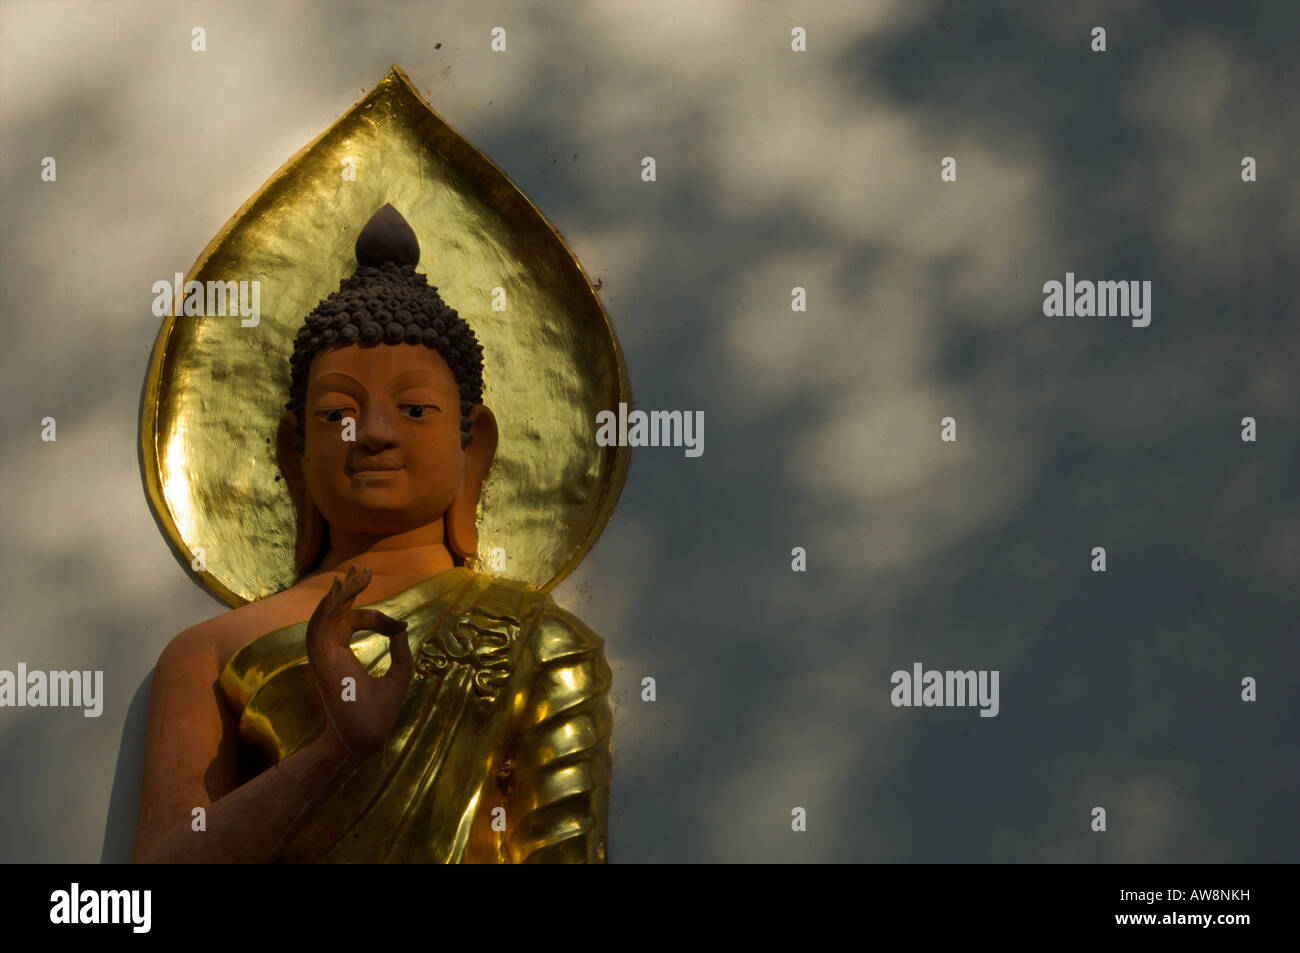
point(216, 389)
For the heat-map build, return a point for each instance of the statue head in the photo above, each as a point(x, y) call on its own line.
point(385, 430)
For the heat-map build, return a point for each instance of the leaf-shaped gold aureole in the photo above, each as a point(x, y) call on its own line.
point(216, 389)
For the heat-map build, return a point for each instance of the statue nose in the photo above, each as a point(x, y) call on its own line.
point(375, 430)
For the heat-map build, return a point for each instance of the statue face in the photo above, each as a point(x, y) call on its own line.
point(406, 464)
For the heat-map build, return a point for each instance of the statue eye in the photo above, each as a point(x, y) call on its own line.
point(333, 416)
point(417, 411)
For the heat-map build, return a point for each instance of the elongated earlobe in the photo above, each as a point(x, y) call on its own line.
point(461, 521)
point(310, 541)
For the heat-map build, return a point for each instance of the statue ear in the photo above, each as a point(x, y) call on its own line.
point(461, 520)
point(311, 525)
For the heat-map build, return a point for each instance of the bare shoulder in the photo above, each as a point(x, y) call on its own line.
point(213, 641)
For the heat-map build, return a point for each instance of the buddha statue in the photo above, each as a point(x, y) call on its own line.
point(393, 704)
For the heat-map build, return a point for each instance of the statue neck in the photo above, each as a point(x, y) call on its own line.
point(421, 551)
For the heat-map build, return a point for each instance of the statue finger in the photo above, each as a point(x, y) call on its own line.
point(338, 598)
point(374, 620)
point(399, 650)
point(353, 583)
point(326, 604)
point(399, 647)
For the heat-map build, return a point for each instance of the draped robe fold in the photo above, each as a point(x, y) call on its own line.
point(506, 724)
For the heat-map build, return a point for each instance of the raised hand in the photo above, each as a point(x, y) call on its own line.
point(363, 724)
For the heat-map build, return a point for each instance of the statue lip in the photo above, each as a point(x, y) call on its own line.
point(373, 466)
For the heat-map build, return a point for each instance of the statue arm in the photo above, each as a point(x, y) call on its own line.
point(559, 792)
point(191, 762)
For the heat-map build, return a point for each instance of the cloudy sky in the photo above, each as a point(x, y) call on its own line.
point(775, 169)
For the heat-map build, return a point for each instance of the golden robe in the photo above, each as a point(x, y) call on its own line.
point(507, 709)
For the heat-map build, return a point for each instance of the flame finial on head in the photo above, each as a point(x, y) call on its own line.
point(387, 238)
